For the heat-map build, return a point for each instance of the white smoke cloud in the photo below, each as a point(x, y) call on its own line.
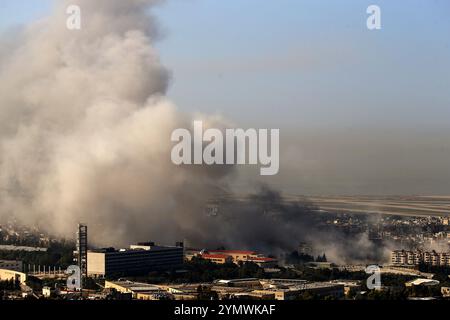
point(85, 137)
point(85, 128)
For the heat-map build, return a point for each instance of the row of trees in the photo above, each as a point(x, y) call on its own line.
point(298, 258)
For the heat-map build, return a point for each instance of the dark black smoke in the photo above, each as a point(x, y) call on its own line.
point(266, 222)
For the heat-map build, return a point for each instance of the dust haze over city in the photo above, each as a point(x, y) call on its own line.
point(86, 118)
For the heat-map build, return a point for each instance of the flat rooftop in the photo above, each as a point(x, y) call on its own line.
point(134, 248)
point(136, 286)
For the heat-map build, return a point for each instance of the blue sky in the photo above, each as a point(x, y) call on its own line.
point(291, 62)
point(312, 63)
point(14, 12)
point(365, 111)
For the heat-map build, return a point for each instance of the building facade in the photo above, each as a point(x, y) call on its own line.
point(414, 258)
point(237, 256)
point(8, 275)
point(137, 260)
point(14, 265)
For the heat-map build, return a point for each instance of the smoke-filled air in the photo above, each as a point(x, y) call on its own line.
point(85, 137)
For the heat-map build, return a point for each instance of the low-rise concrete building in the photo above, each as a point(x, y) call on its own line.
point(8, 275)
point(349, 286)
point(235, 256)
point(138, 290)
point(217, 258)
point(422, 282)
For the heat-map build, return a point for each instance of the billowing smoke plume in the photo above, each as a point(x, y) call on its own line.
point(268, 222)
point(85, 129)
point(85, 137)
